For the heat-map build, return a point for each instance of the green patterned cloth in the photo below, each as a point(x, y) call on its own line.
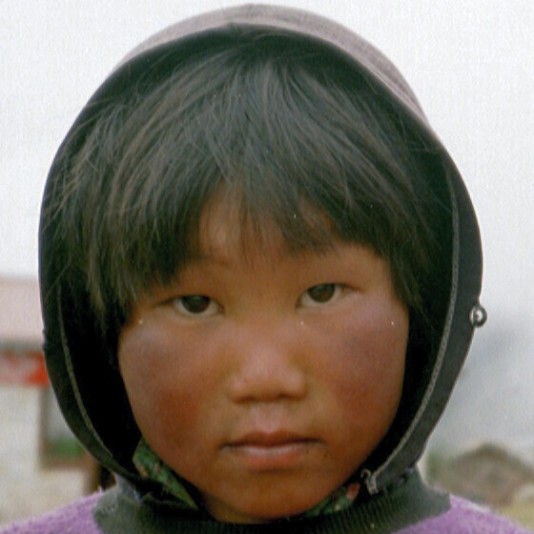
point(151, 467)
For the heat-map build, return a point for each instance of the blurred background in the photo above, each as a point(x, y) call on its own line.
point(470, 63)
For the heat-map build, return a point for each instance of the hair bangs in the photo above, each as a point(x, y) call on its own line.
point(285, 131)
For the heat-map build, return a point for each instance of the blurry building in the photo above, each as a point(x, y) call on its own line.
point(489, 474)
point(41, 464)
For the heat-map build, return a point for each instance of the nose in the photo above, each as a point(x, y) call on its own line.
point(268, 367)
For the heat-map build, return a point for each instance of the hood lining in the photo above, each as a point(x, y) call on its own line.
point(73, 381)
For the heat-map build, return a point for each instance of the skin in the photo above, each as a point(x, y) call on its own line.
point(265, 379)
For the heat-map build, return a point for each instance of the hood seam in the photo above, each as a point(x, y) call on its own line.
point(371, 481)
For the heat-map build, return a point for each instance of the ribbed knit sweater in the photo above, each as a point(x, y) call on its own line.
point(399, 511)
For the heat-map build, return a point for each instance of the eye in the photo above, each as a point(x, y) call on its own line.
point(196, 306)
point(321, 294)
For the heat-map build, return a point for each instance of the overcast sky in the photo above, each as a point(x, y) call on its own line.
point(471, 63)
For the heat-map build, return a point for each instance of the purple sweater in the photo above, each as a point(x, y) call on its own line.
point(463, 517)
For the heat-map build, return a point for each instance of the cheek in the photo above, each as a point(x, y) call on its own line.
point(162, 374)
point(367, 357)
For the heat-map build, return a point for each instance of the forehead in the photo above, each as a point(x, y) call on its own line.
point(229, 228)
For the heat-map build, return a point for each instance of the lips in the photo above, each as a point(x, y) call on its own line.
point(269, 451)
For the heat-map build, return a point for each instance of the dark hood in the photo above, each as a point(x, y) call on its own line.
point(90, 391)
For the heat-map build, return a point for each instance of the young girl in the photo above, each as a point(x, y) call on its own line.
point(260, 273)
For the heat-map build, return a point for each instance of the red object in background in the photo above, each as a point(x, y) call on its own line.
point(22, 368)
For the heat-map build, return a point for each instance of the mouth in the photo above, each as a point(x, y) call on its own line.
point(272, 451)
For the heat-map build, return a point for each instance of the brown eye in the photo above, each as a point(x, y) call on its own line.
point(322, 293)
point(196, 305)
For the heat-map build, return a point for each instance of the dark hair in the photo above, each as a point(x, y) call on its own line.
point(288, 128)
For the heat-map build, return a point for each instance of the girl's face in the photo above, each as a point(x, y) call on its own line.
point(265, 379)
